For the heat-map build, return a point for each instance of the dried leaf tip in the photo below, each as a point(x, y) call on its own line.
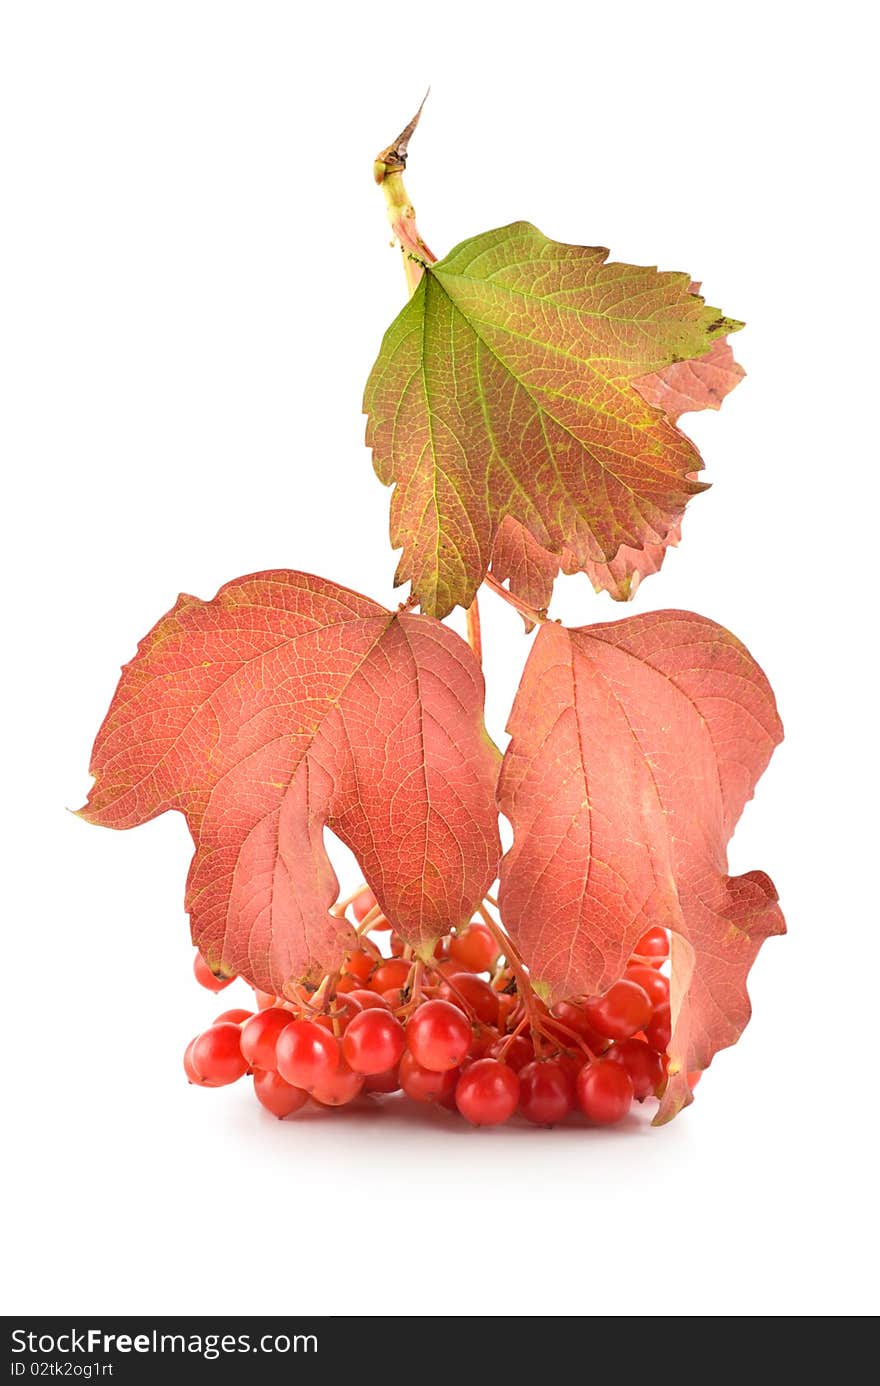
point(393, 158)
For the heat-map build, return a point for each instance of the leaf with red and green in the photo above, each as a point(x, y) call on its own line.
point(634, 747)
point(507, 387)
point(285, 706)
point(530, 571)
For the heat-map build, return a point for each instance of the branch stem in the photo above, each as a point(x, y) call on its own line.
point(531, 613)
point(474, 635)
point(388, 173)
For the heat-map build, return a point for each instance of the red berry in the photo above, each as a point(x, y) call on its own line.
point(359, 964)
point(393, 998)
point(604, 1092)
point(278, 1097)
point(519, 1052)
point(623, 1010)
point(343, 1010)
point(393, 972)
point(189, 1067)
point(264, 999)
point(236, 1017)
point(338, 1087)
point(306, 1054)
point(463, 988)
point(474, 949)
point(574, 1017)
point(654, 944)
point(217, 1057)
point(362, 904)
point(389, 1081)
point(423, 1084)
point(643, 1064)
point(483, 1038)
point(438, 1036)
point(260, 1034)
point(369, 999)
point(373, 1042)
point(546, 1094)
point(650, 980)
point(205, 977)
point(487, 1093)
point(658, 1032)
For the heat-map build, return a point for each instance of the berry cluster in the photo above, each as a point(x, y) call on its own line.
point(465, 1030)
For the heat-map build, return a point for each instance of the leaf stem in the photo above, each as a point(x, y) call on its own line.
point(474, 636)
point(530, 612)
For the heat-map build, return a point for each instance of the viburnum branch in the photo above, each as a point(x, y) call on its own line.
point(530, 612)
point(527, 395)
point(388, 173)
point(369, 920)
point(474, 634)
point(342, 905)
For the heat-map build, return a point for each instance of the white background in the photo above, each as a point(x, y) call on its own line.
point(196, 278)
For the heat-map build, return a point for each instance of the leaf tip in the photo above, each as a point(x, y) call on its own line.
point(723, 327)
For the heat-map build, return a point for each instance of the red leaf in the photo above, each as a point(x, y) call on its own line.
point(530, 570)
point(635, 746)
point(520, 561)
point(687, 386)
point(285, 705)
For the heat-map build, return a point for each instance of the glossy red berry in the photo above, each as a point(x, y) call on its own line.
point(423, 1084)
point(643, 1064)
point(306, 1054)
point(466, 990)
point(622, 1011)
point(658, 1032)
point(546, 1093)
point(359, 964)
point(389, 1081)
point(342, 1011)
point(373, 1042)
point(205, 977)
point(189, 1067)
point(438, 1036)
point(474, 949)
point(604, 1092)
point(235, 1017)
point(574, 1017)
point(487, 1093)
point(216, 1055)
point(278, 1097)
point(338, 1087)
point(653, 944)
point(651, 981)
point(393, 972)
point(516, 1053)
point(260, 1034)
point(368, 1000)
